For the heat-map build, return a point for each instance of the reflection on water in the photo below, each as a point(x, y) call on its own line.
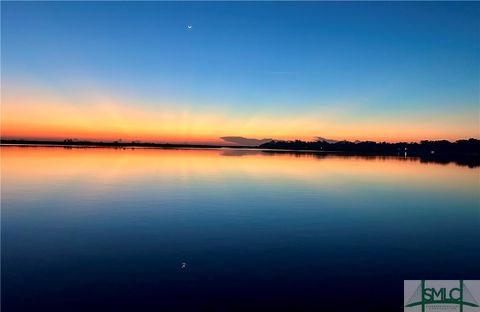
point(111, 229)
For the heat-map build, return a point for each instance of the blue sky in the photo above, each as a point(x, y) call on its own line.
point(358, 62)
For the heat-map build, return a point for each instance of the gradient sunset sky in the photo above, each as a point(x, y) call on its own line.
point(134, 71)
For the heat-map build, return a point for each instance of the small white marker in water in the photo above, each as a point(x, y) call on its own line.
point(189, 27)
point(184, 265)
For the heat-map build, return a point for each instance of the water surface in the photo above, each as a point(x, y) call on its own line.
point(88, 229)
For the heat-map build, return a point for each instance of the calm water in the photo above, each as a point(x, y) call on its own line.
point(107, 229)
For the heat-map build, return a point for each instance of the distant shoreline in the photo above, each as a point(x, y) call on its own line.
point(363, 148)
point(462, 147)
point(110, 144)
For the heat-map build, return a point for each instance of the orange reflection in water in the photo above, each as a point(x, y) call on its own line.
point(34, 167)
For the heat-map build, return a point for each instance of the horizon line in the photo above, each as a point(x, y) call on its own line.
point(227, 144)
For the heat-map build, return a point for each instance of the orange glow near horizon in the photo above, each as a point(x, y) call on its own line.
point(41, 116)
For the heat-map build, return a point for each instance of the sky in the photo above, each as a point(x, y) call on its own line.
point(401, 71)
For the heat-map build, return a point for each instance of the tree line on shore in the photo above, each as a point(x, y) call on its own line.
point(469, 147)
point(443, 147)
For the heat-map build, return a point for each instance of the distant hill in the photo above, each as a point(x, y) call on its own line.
point(321, 139)
point(245, 141)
